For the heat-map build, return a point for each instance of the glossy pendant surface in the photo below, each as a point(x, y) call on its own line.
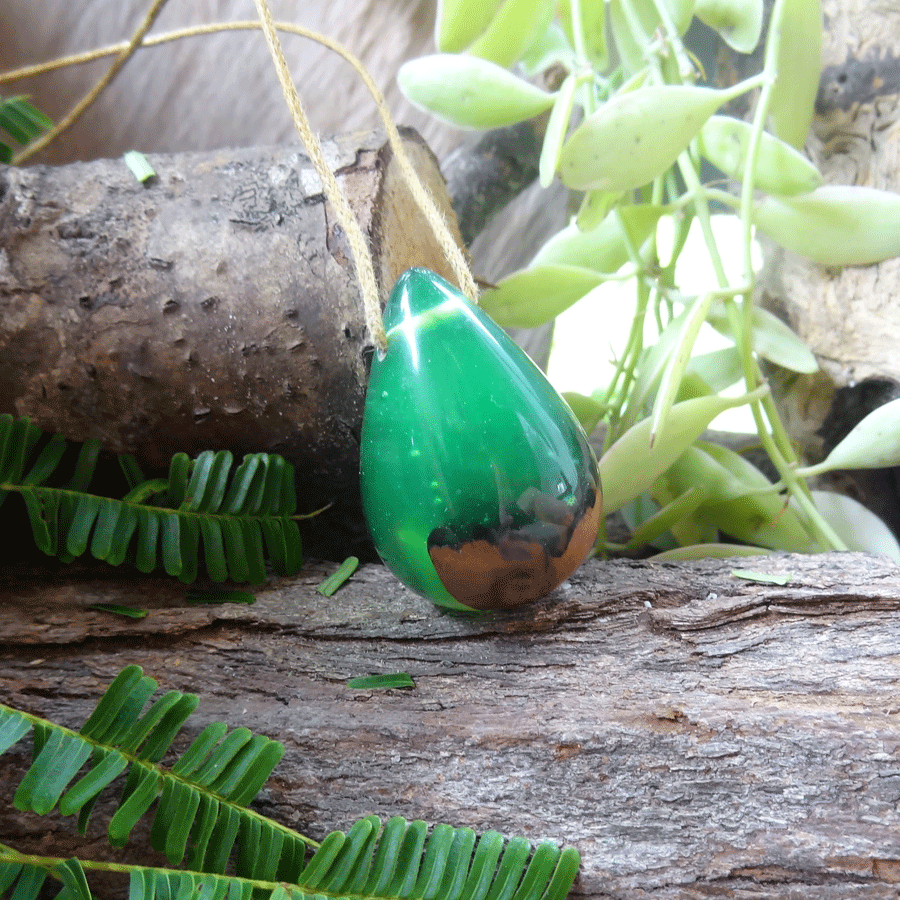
point(478, 483)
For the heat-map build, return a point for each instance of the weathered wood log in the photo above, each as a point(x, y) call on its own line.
point(216, 307)
point(693, 733)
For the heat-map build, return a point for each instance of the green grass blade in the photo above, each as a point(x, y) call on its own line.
point(203, 466)
point(147, 490)
point(510, 870)
point(235, 551)
point(10, 123)
point(256, 491)
point(23, 436)
point(271, 495)
point(250, 840)
point(7, 426)
point(294, 542)
point(105, 529)
point(218, 482)
point(276, 546)
point(120, 712)
point(288, 503)
point(222, 841)
point(249, 785)
point(334, 581)
point(253, 544)
point(357, 879)
point(236, 500)
point(29, 883)
point(44, 750)
point(138, 732)
point(267, 852)
point(141, 884)
point(9, 872)
point(131, 469)
point(385, 862)
point(57, 770)
point(113, 700)
point(174, 819)
point(249, 770)
point(564, 875)
point(202, 831)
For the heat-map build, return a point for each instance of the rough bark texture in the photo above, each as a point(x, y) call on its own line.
point(848, 316)
point(215, 307)
point(693, 733)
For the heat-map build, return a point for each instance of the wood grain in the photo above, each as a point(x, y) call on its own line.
point(693, 733)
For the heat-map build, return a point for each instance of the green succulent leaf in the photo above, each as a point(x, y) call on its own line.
point(470, 92)
point(739, 22)
point(648, 127)
point(536, 295)
point(459, 22)
point(780, 168)
point(797, 27)
point(835, 225)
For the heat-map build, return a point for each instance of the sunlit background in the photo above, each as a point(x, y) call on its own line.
point(589, 335)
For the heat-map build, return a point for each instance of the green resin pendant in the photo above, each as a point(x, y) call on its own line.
point(479, 486)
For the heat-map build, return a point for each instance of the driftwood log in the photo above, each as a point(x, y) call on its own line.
point(215, 307)
point(693, 734)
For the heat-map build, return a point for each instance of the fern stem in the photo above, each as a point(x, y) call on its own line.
point(134, 758)
point(10, 855)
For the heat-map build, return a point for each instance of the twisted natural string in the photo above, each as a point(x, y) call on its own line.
point(365, 271)
point(362, 257)
point(124, 50)
point(124, 54)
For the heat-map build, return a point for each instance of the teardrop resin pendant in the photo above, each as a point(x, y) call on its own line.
point(478, 483)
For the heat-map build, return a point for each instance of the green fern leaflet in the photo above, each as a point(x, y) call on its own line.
point(22, 122)
point(243, 516)
point(201, 820)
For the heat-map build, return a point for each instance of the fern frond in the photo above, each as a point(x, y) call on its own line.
point(199, 801)
point(22, 880)
point(402, 861)
point(366, 863)
point(200, 815)
point(242, 518)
